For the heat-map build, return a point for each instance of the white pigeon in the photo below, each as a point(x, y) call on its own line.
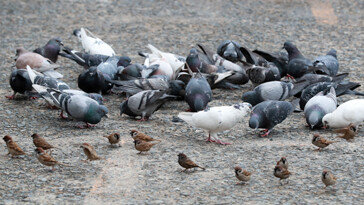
point(93, 45)
point(175, 61)
point(349, 112)
point(217, 119)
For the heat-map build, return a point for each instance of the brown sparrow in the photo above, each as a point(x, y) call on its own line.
point(186, 163)
point(90, 152)
point(143, 146)
point(280, 172)
point(242, 175)
point(349, 132)
point(41, 142)
point(141, 136)
point(113, 138)
point(320, 142)
point(46, 159)
point(328, 178)
point(13, 148)
point(283, 162)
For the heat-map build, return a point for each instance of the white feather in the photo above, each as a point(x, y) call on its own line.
point(94, 45)
point(349, 112)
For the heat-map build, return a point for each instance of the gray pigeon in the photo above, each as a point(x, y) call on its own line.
point(46, 81)
point(318, 106)
point(329, 61)
point(198, 93)
point(230, 51)
point(268, 114)
point(144, 103)
point(273, 90)
point(132, 87)
point(78, 107)
point(51, 49)
point(298, 65)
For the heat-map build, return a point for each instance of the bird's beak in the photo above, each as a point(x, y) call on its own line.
point(106, 116)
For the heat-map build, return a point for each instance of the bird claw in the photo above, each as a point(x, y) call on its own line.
point(10, 97)
point(210, 140)
point(266, 133)
point(143, 119)
point(85, 126)
point(222, 143)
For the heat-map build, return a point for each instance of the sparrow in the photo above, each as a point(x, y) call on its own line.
point(349, 132)
point(90, 152)
point(41, 142)
point(136, 135)
point(13, 148)
point(186, 163)
point(143, 146)
point(320, 142)
point(283, 162)
point(242, 175)
point(46, 159)
point(113, 138)
point(280, 172)
point(328, 178)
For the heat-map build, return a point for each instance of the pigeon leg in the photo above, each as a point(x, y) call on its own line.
point(143, 119)
point(209, 139)
point(266, 133)
point(289, 76)
point(33, 98)
point(87, 125)
point(62, 116)
point(10, 97)
point(223, 143)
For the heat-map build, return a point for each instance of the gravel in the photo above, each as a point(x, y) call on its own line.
point(155, 178)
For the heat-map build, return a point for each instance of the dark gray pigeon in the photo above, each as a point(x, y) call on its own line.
point(20, 83)
point(88, 60)
point(198, 93)
point(273, 90)
point(298, 65)
point(92, 81)
point(341, 88)
point(329, 61)
point(197, 65)
point(144, 103)
point(230, 51)
point(318, 106)
point(51, 49)
point(280, 59)
point(131, 72)
point(268, 114)
point(261, 74)
point(78, 107)
point(315, 78)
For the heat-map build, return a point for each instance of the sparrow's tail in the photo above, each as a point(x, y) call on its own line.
point(202, 168)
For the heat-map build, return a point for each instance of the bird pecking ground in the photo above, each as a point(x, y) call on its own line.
point(126, 177)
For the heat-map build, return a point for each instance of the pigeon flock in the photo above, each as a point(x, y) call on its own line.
point(284, 83)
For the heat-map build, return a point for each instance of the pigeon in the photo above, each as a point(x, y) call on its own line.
point(176, 62)
point(268, 114)
point(328, 61)
point(230, 51)
point(130, 72)
point(46, 81)
point(57, 84)
point(20, 83)
point(254, 58)
point(198, 93)
point(341, 88)
point(158, 68)
point(93, 45)
point(217, 119)
point(315, 78)
point(132, 87)
point(88, 60)
point(298, 65)
point(273, 90)
point(194, 62)
point(350, 112)
point(78, 107)
point(92, 81)
point(261, 74)
point(318, 106)
point(280, 59)
point(51, 49)
point(36, 62)
point(144, 103)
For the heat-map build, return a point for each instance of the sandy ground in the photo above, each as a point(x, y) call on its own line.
point(128, 178)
